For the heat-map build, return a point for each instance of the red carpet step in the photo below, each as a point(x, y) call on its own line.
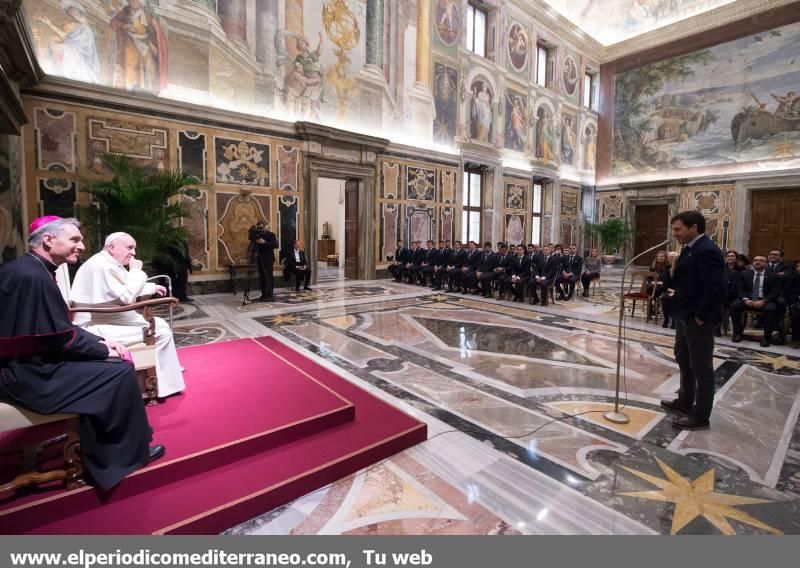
point(258, 426)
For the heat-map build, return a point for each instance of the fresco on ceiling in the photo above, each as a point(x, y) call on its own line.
point(737, 102)
point(612, 21)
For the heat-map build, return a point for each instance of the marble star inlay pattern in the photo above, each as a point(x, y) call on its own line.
point(514, 397)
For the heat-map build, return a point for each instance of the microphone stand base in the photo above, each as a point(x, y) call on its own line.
point(616, 417)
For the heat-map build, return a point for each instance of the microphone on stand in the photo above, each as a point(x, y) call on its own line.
point(616, 416)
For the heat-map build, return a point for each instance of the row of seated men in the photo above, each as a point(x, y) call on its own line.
point(512, 270)
point(769, 286)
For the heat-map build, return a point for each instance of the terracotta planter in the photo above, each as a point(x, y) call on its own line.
point(608, 259)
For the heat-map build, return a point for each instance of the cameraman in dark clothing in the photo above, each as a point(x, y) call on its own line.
point(262, 246)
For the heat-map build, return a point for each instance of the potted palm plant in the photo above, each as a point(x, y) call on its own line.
point(613, 233)
point(145, 204)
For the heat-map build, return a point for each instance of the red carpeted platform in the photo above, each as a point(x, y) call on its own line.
point(259, 425)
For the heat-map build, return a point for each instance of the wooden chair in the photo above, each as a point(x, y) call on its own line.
point(643, 294)
point(22, 440)
point(595, 285)
point(143, 352)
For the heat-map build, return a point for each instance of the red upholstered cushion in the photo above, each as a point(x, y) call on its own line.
point(637, 295)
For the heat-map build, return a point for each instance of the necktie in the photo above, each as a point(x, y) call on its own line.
point(758, 285)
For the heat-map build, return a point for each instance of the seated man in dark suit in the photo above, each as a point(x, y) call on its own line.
point(570, 273)
point(440, 270)
point(498, 268)
point(470, 267)
point(757, 290)
point(297, 265)
point(783, 271)
point(408, 267)
point(518, 274)
point(545, 270)
point(428, 264)
point(457, 260)
point(400, 258)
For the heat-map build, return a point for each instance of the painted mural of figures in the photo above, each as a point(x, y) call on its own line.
point(139, 49)
point(516, 122)
point(448, 21)
point(303, 80)
point(589, 148)
point(74, 53)
point(444, 95)
point(518, 46)
point(788, 106)
point(568, 139)
point(545, 134)
point(481, 119)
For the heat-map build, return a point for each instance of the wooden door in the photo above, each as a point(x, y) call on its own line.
point(651, 228)
point(775, 223)
point(351, 229)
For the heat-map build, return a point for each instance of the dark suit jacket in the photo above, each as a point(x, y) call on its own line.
point(792, 291)
point(431, 256)
point(489, 262)
point(418, 256)
point(575, 267)
point(473, 261)
point(548, 269)
point(292, 264)
point(731, 285)
point(445, 255)
point(771, 286)
point(699, 282)
point(402, 255)
point(520, 266)
point(458, 258)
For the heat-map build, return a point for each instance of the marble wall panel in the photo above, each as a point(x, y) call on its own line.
point(421, 183)
point(57, 197)
point(288, 220)
point(196, 203)
point(147, 145)
point(242, 162)
point(514, 228)
point(717, 204)
point(447, 186)
point(236, 213)
point(608, 206)
point(192, 154)
point(419, 223)
point(390, 178)
point(447, 224)
point(389, 229)
point(55, 140)
point(288, 167)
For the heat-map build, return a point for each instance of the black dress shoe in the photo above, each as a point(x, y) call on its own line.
point(717, 333)
point(155, 452)
point(765, 342)
point(690, 423)
point(665, 324)
point(675, 405)
point(306, 288)
point(778, 340)
point(737, 338)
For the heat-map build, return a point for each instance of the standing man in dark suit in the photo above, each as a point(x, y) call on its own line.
point(783, 271)
point(400, 258)
point(519, 274)
point(408, 266)
point(297, 265)
point(698, 290)
point(457, 260)
point(442, 263)
point(262, 250)
point(759, 290)
point(571, 271)
point(470, 266)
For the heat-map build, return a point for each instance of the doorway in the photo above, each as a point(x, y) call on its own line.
point(651, 228)
point(775, 223)
point(331, 230)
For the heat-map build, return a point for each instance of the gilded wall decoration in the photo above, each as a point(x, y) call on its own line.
point(242, 162)
point(609, 206)
point(236, 213)
point(55, 140)
point(147, 145)
point(515, 195)
point(192, 154)
point(421, 183)
point(569, 203)
point(288, 167)
point(717, 204)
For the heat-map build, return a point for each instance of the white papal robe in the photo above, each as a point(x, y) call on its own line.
point(102, 281)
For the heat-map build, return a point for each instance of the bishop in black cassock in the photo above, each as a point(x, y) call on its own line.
point(50, 366)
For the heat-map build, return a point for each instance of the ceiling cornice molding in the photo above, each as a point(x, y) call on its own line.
point(729, 13)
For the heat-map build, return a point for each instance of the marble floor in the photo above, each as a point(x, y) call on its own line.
point(513, 396)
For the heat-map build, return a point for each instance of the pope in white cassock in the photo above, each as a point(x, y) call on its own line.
point(103, 281)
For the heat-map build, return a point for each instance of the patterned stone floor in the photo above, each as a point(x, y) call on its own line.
point(499, 385)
